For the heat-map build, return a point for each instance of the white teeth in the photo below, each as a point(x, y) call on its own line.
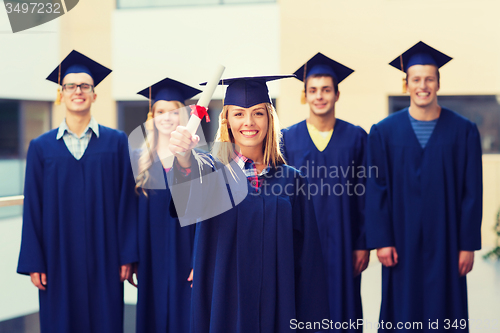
point(78, 100)
point(423, 94)
point(249, 132)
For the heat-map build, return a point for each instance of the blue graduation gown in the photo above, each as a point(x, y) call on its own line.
point(165, 261)
point(259, 265)
point(339, 210)
point(428, 204)
point(79, 227)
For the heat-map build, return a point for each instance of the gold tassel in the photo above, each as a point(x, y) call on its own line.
point(223, 130)
point(403, 69)
point(303, 97)
point(149, 121)
point(58, 98)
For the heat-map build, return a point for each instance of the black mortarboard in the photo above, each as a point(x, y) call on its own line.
point(420, 54)
point(76, 62)
point(248, 91)
point(169, 90)
point(321, 64)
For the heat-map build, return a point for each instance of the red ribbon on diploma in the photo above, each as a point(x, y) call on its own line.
point(200, 112)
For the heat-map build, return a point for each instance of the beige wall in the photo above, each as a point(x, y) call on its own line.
point(87, 29)
point(366, 35)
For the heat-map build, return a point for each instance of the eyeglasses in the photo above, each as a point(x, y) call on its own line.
point(84, 87)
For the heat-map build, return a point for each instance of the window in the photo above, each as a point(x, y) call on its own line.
point(484, 110)
point(20, 122)
point(9, 129)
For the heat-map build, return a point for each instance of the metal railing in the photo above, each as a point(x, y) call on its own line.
point(15, 200)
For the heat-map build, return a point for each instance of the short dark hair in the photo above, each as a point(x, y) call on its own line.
point(335, 83)
point(437, 74)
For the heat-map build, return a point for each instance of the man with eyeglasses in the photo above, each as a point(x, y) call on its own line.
point(78, 238)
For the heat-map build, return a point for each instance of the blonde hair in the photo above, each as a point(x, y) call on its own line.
point(151, 144)
point(271, 146)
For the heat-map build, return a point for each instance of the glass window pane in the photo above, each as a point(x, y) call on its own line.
point(36, 121)
point(483, 110)
point(20, 122)
point(11, 177)
point(9, 129)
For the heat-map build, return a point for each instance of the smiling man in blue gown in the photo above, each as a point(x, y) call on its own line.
point(424, 207)
point(79, 223)
point(330, 152)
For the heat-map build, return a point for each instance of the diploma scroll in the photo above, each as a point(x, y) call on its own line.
point(206, 96)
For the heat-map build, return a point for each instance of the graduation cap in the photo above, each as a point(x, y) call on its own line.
point(169, 90)
point(322, 65)
point(248, 91)
point(75, 62)
point(419, 54)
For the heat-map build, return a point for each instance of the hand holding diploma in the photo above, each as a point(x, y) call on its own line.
point(181, 143)
point(200, 110)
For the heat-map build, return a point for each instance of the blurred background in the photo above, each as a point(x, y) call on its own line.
point(143, 41)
